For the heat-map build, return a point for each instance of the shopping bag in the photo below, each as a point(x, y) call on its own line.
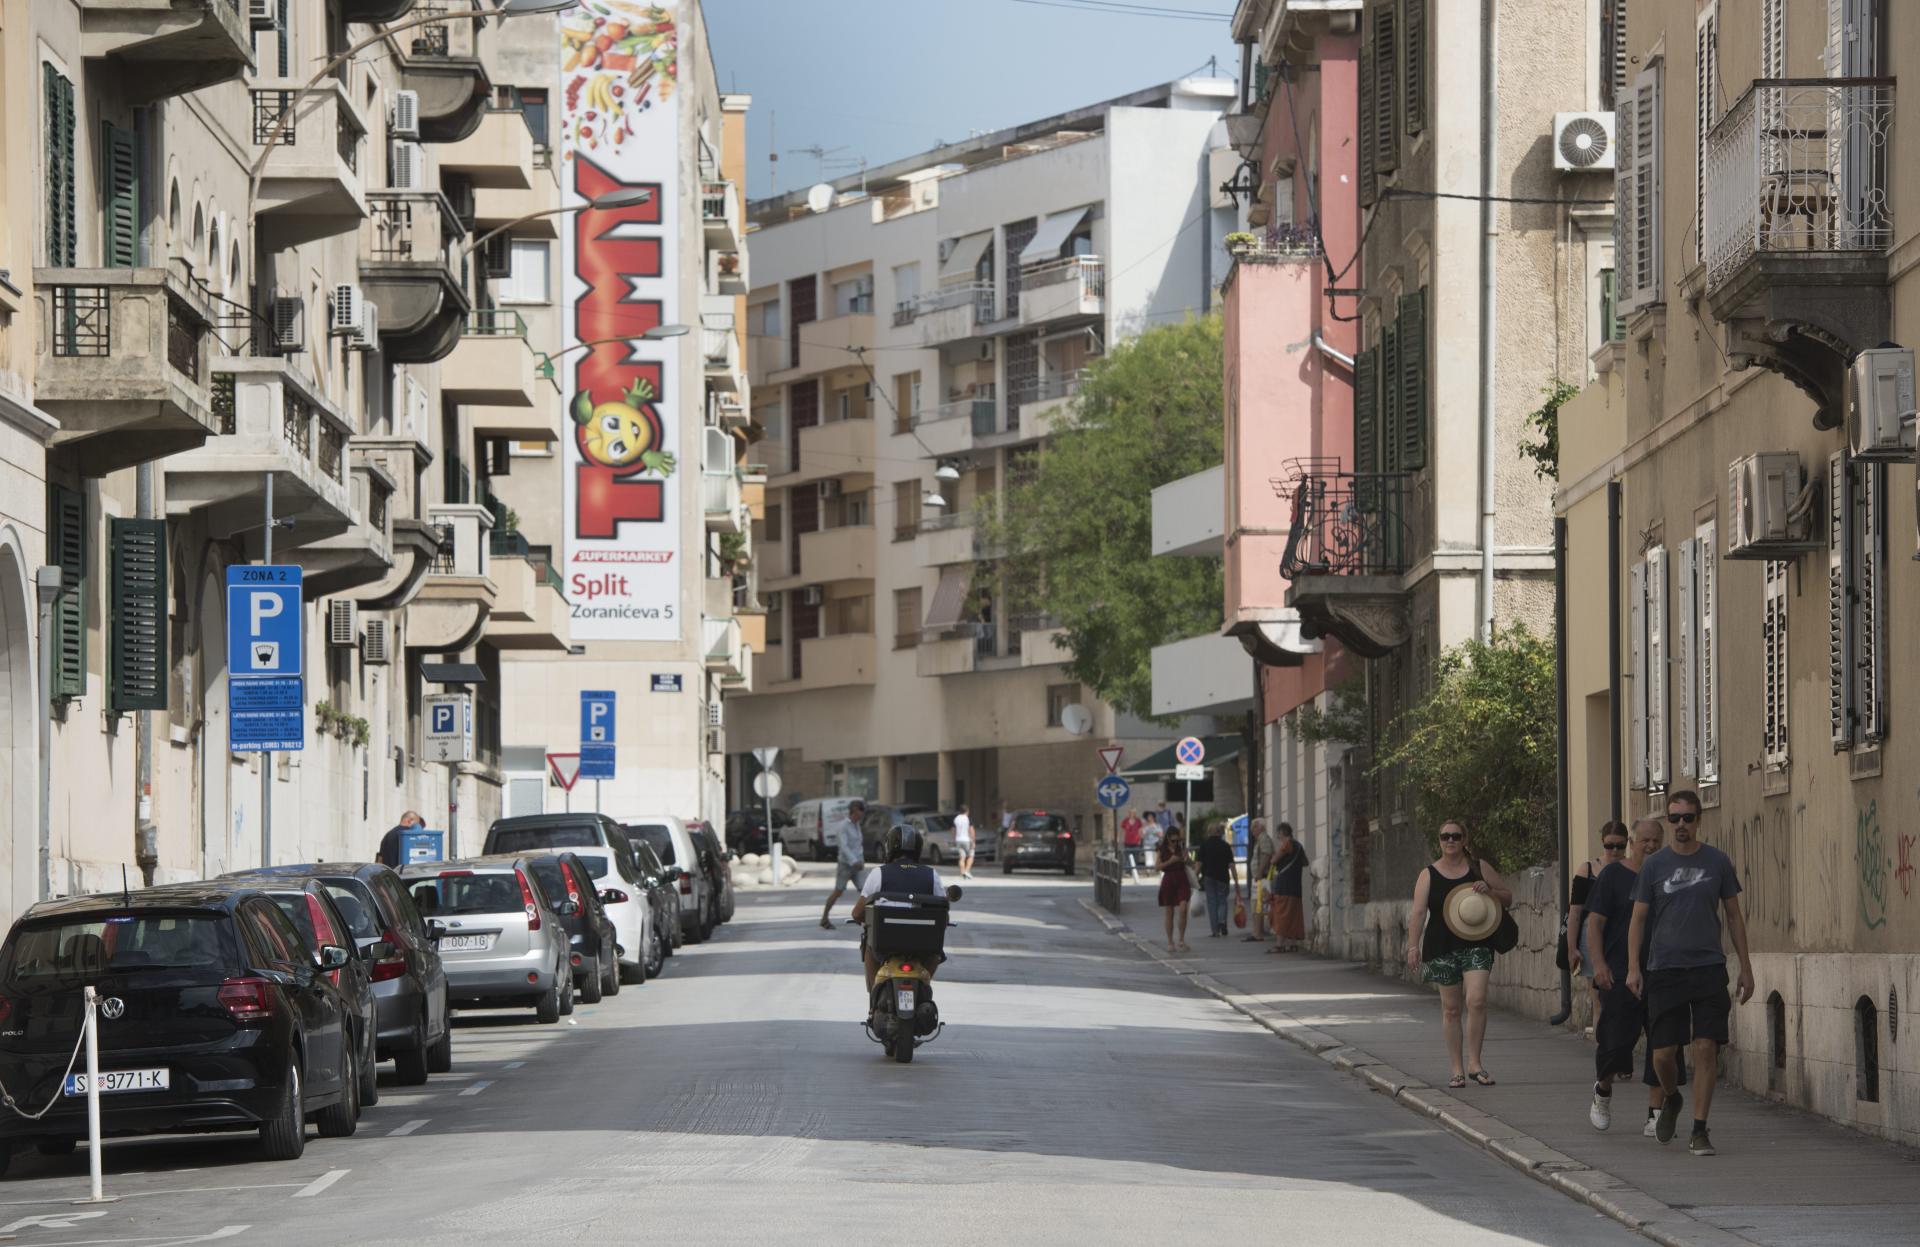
point(1239, 910)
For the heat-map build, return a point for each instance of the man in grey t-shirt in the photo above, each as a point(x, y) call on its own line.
point(851, 857)
point(1676, 918)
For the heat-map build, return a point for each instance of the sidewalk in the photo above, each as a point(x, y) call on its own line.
point(1782, 1177)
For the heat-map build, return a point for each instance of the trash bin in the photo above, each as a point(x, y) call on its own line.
point(422, 845)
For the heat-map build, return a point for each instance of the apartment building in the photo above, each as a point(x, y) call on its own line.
point(912, 334)
point(1729, 488)
point(1393, 322)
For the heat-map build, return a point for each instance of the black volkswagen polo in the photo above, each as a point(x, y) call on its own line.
point(213, 1016)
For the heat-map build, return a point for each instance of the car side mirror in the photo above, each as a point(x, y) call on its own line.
point(334, 956)
point(953, 892)
point(435, 929)
point(567, 909)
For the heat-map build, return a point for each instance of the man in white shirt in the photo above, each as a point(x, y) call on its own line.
point(963, 842)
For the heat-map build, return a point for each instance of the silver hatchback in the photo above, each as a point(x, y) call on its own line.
point(501, 938)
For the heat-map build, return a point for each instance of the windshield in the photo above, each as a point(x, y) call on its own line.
point(936, 822)
point(657, 836)
point(1039, 822)
point(118, 943)
point(521, 839)
point(469, 894)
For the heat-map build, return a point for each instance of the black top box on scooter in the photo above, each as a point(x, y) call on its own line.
point(906, 922)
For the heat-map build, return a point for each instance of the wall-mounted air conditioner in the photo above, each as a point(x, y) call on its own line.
point(289, 324)
point(810, 596)
point(1583, 142)
point(375, 643)
point(407, 166)
point(368, 339)
point(348, 311)
point(342, 619)
point(1769, 507)
point(404, 119)
point(1880, 405)
point(262, 14)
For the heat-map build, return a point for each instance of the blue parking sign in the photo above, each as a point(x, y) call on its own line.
point(263, 621)
point(596, 717)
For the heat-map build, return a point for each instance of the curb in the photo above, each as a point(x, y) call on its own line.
point(1603, 1192)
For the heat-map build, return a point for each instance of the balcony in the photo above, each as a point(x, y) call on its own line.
point(410, 268)
point(839, 661)
point(826, 346)
point(831, 555)
point(449, 613)
point(720, 483)
point(720, 214)
point(544, 420)
point(727, 272)
point(952, 313)
point(442, 63)
point(375, 11)
point(122, 363)
point(838, 448)
point(720, 644)
point(719, 349)
point(364, 553)
point(498, 154)
point(313, 170)
point(492, 365)
point(953, 651)
point(946, 540)
point(726, 411)
point(1046, 405)
point(965, 424)
point(1075, 286)
point(401, 459)
point(164, 48)
point(1798, 222)
point(494, 206)
point(530, 610)
point(1347, 546)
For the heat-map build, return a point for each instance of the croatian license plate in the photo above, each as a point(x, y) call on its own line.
point(466, 943)
point(905, 999)
point(120, 1080)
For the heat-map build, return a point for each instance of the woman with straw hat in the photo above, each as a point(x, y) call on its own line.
point(1458, 902)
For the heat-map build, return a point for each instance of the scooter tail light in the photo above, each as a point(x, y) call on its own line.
point(526, 899)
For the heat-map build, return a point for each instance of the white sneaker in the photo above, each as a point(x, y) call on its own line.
point(1601, 1114)
point(1649, 1131)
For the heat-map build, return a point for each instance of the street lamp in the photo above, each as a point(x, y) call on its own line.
point(946, 471)
point(625, 197)
point(656, 334)
point(931, 499)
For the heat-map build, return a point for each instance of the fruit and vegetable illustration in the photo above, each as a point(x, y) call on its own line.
point(620, 57)
point(620, 433)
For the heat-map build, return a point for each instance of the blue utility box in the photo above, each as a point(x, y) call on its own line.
point(422, 845)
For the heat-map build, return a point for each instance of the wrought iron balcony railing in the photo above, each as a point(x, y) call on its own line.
point(1347, 524)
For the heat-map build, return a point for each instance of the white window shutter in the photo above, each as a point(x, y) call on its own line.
point(1707, 662)
point(1625, 245)
point(1637, 674)
point(1648, 278)
point(1705, 92)
point(1773, 643)
point(1870, 598)
point(1685, 655)
point(1773, 38)
point(1658, 748)
point(1839, 601)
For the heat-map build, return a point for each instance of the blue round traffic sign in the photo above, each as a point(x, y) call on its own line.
point(1190, 752)
point(1113, 792)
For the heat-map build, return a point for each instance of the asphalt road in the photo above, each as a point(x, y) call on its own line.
point(1081, 1093)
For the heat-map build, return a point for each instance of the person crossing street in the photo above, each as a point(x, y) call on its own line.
point(851, 857)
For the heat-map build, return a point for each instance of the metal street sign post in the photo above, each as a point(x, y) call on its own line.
point(1188, 755)
point(566, 773)
point(264, 644)
point(767, 784)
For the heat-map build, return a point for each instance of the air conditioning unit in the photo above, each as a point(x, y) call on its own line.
point(368, 339)
point(498, 256)
point(986, 350)
point(341, 620)
point(349, 311)
point(375, 642)
point(262, 14)
point(1768, 507)
point(867, 391)
point(714, 743)
point(407, 164)
point(289, 325)
point(404, 120)
point(1880, 405)
point(1583, 142)
point(459, 193)
point(831, 488)
point(810, 596)
point(716, 715)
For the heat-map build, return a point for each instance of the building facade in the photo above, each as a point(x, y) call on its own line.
point(1729, 487)
point(912, 334)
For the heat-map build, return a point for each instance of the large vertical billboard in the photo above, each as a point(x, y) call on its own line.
point(619, 86)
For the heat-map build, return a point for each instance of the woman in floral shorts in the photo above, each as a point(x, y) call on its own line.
point(1459, 967)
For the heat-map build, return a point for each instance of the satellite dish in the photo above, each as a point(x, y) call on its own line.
point(1077, 719)
point(820, 198)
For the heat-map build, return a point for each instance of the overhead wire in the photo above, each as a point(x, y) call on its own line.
point(1117, 9)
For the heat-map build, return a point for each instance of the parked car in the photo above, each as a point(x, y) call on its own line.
point(881, 816)
point(673, 845)
point(534, 833)
point(663, 895)
point(936, 837)
point(214, 1016)
point(747, 829)
point(625, 892)
point(409, 982)
point(717, 861)
point(813, 823)
point(501, 935)
point(590, 934)
point(1037, 838)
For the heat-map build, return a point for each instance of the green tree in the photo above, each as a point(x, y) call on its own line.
point(1480, 747)
point(1075, 534)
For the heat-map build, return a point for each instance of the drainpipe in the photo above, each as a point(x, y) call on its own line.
point(1560, 710)
point(1613, 649)
point(1489, 251)
point(47, 581)
point(146, 836)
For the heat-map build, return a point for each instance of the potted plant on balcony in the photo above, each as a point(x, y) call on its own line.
point(1240, 242)
point(735, 553)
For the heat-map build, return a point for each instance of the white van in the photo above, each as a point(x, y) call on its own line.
point(816, 828)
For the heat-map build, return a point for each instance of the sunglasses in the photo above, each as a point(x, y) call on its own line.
point(1682, 818)
point(1453, 835)
point(1614, 846)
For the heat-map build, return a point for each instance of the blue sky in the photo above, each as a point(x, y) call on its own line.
point(886, 78)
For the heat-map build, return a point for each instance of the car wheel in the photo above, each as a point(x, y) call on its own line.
point(709, 919)
point(656, 956)
point(548, 1010)
point(566, 994)
point(369, 1077)
point(284, 1135)
point(611, 980)
point(410, 1064)
point(440, 1053)
point(692, 934)
point(54, 1147)
point(340, 1119)
point(593, 984)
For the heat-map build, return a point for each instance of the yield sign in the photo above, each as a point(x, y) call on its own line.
point(1110, 754)
point(565, 768)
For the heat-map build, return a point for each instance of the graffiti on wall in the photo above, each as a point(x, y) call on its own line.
point(1875, 865)
point(1765, 856)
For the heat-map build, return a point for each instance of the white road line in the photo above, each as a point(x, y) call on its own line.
point(513, 1064)
point(321, 1183)
point(408, 1128)
point(478, 1087)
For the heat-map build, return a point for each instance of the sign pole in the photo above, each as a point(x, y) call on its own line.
point(266, 757)
point(92, 1022)
point(596, 797)
point(453, 811)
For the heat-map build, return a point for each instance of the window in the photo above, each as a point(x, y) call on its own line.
point(1856, 601)
point(533, 107)
point(1647, 656)
point(1637, 195)
point(853, 297)
point(906, 618)
point(1706, 632)
point(1694, 694)
point(1773, 38)
point(1773, 649)
point(137, 667)
point(770, 526)
point(120, 201)
point(1390, 394)
point(763, 319)
point(1379, 120)
point(1613, 52)
point(63, 235)
point(68, 546)
point(528, 279)
point(1059, 697)
point(906, 400)
point(906, 509)
point(849, 615)
point(906, 287)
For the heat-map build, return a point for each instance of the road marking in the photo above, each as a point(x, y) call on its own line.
point(408, 1128)
point(478, 1087)
point(50, 1221)
point(157, 1240)
point(514, 1064)
point(321, 1183)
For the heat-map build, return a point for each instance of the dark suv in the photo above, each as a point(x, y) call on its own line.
point(213, 1016)
point(1037, 838)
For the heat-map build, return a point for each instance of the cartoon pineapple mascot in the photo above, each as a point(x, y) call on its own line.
point(619, 434)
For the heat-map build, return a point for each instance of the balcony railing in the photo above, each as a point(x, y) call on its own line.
point(980, 294)
point(296, 424)
point(716, 338)
point(1800, 166)
point(1057, 385)
point(713, 200)
point(1089, 270)
point(413, 225)
point(333, 445)
point(982, 408)
point(511, 544)
point(496, 322)
point(1347, 524)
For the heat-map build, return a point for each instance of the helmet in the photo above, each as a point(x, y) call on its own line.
point(901, 843)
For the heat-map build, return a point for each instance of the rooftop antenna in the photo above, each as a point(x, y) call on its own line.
point(819, 155)
point(773, 153)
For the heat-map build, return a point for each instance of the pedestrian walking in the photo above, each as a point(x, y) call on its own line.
point(1130, 826)
point(1176, 889)
point(1621, 1018)
point(389, 852)
point(1287, 893)
point(1259, 863)
point(1219, 877)
point(851, 858)
point(963, 842)
point(1457, 907)
point(1574, 956)
point(1677, 901)
point(1150, 836)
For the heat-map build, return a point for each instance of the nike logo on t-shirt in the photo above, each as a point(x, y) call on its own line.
point(1684, 877)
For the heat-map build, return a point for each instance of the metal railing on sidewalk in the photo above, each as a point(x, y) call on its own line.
point(1107, 869)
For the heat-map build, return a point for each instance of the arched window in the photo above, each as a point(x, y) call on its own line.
point(213, 254)
point(198, 254)
point(173, 214)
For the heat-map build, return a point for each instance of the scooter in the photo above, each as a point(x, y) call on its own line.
point(907, 932)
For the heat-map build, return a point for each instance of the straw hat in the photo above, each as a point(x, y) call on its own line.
point(1471, 915)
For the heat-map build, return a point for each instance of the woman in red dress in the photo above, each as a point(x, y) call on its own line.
point(1176, 888)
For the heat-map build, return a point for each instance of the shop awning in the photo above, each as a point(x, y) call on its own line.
point(965, 256)
point(1052, 235)
point(949, 598)
point(1159, 766)
point(452, 673)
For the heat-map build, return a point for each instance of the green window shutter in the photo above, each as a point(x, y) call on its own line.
point(1386, 74)
point(1369, 180)
point(68, 532)
point(121, 218)
point(1412, 450)
point(1387, 386)
point(137, 676)
point(1366, 395)
point(1413, 40)
point(62, 238)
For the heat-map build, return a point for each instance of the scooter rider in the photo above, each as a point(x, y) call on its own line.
point(900, 849)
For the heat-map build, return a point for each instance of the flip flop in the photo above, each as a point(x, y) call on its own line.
point(825, 925)
point(1482, 1077)
point(1457, 1081)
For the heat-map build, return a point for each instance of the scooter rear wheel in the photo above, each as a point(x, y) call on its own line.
point(903, 1042)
